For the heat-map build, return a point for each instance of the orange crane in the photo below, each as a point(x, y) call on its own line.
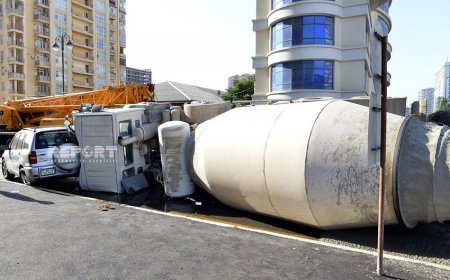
point(16, 115)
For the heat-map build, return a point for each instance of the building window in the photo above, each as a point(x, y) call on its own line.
point(100, 43)
point(101, 57)
point(279, 3)
point(101, 69)
point(304, 74)
point(123, 39)
point(101, 19)
point(60, 18)
point(100, 6)
point(307, 30)
point(60, 31)
point(101, 81)
point(61, 4)
point(385, 7)
point(383, 26)
point(101, 31)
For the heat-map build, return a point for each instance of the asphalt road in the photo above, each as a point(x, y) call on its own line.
point(57, 236)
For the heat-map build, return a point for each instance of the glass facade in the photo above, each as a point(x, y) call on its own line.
point(280, 3)
point(306, 30)
point(304, 74)
point(384, 27)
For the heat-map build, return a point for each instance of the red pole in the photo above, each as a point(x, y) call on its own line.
point(382, 190)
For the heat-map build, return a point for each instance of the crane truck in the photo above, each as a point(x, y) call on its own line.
point(50, 111)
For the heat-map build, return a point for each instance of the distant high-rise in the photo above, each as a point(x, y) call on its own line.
point(236, 78)
point(320, 48)
point(138, 77)
point(442, 87)
point(428, 95)
point(28, 29)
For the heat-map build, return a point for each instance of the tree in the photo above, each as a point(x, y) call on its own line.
point(440, 117)
point(444, 104)
point(242, 90)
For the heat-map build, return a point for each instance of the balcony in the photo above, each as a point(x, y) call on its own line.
point(15, 59)
point(44, 49)
point(15, 43)
point(43, 63)
point(15, 27)
point(16, 76)
point(83, 3)
point(43, 3)
point(16, 91)
point(112, 13)
point(123, 62)
point(83, 84)
point(42, 79)
point(42, 32)
point(112, 75)
point(83, 57)
point(82, 70)
point(81, 43)
point(81, 29)
point(42, 93)
point(83, 16)
point(41, 17)
point(15, 11)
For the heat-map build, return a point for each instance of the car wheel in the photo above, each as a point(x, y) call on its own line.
point(6, 174)
point(24, 178)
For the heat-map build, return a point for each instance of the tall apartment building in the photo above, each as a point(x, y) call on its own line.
point(318, 48)
point(138, 76)
point(30, 67)
point(428, 95)
point(442, 86)
point(233, 80)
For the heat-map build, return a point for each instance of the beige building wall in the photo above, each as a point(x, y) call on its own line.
point(30, 67)
point(352, 52)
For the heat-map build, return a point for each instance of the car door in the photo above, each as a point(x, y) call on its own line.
point(14, 154)
point(23, 148)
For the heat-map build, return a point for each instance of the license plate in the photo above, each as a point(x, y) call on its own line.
point(47, 171)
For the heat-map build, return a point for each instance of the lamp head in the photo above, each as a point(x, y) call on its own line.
point(69, 44)
point(56, 47)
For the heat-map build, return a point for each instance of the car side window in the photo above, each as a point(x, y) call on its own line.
point(20, 141)
point(14, 141)
point(27, 140)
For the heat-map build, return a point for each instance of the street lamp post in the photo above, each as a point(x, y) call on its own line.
point(62, 41)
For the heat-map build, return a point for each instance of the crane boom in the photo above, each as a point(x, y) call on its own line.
point(30, 112)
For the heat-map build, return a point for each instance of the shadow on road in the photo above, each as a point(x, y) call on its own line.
point(425, 240)
point(25, 198)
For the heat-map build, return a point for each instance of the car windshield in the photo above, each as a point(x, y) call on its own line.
point(54, 138)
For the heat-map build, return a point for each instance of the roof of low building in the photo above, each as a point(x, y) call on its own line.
point(177, 92)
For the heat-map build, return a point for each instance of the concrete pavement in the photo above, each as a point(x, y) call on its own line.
point(45, 235)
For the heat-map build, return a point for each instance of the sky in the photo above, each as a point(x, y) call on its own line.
point(198, 42)
point(203, 42)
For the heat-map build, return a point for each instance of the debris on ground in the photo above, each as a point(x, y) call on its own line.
point(106, 206)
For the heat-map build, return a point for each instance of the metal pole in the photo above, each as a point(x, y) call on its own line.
point(384, 73)
point(62, 51)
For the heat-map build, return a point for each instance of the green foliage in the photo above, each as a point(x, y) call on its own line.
point(444, 105)
point(443, 115)
point(243, 90)
point(440, 117)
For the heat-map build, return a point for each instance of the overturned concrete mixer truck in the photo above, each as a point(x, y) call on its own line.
point(302, 162)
